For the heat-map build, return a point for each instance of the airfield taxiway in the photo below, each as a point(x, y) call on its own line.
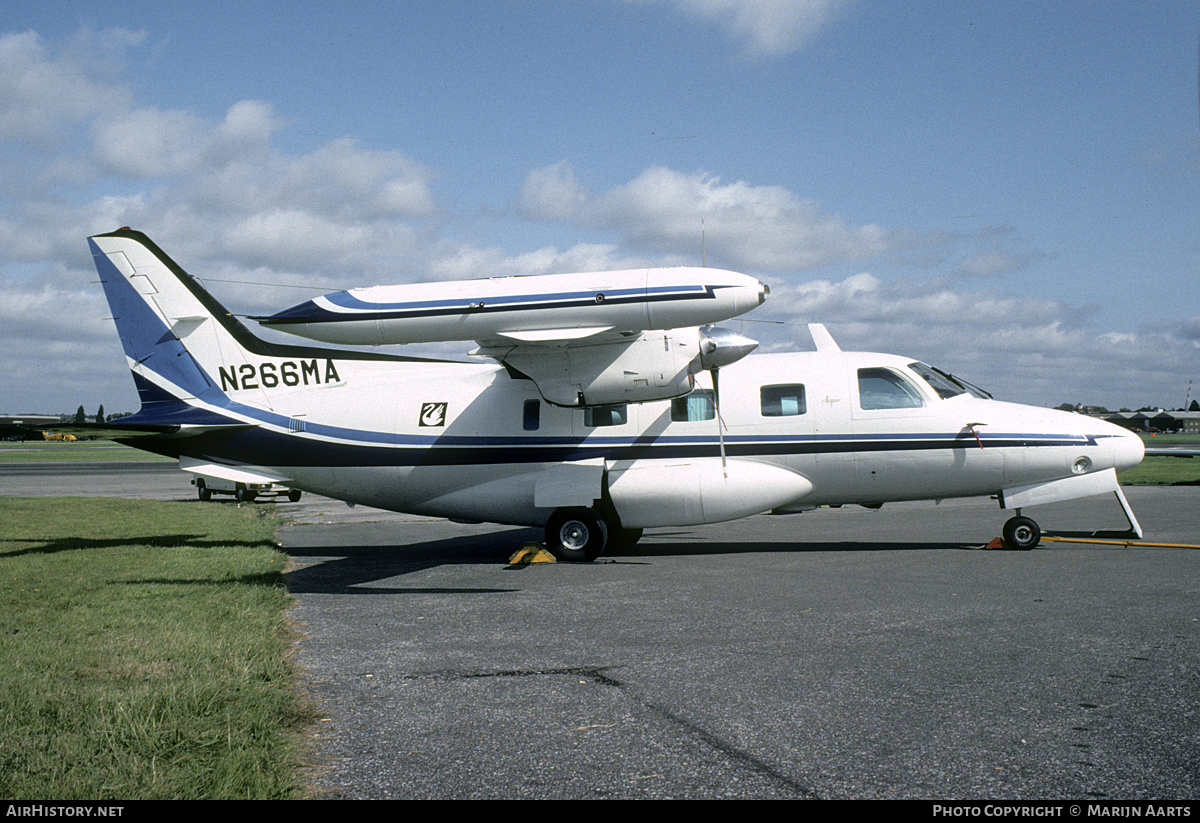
point(839, 653)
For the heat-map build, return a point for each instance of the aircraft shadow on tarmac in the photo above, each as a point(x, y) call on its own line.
point(164, 541)
point(679, 548)
point(351, 569)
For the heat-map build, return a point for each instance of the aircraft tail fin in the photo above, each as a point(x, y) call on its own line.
point(176, 336)
point(193, 362)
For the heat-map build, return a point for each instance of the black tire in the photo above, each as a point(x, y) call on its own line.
point(1022, 533)
point(203, 491)
point(294, 495)
point(576, 535)
point(244, 495)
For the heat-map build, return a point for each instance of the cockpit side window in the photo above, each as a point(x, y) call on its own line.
point(944, 387)
point(885, 389)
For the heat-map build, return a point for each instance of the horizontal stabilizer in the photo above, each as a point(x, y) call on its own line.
point(234, 474)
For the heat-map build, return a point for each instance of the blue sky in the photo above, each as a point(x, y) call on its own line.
point(1005, 189)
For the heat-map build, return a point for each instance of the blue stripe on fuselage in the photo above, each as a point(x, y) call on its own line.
point(267, 447)
point(349, 307)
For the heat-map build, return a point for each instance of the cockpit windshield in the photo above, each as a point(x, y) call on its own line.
point(945, 384)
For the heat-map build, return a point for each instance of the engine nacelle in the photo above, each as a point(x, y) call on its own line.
point(649, 366)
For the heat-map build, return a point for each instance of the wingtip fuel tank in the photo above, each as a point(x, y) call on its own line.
point(517, 307)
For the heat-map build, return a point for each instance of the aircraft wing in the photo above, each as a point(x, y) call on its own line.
point(610, 368)
point(587, 339)
point(559, 306)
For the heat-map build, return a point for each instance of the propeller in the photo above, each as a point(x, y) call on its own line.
point(720, 347)
point(720, 421)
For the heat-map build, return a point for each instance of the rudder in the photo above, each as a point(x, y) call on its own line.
point(171, 336)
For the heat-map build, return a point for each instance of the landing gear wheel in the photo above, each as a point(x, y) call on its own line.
point(294, 495)
point(576, 535)
point(204, 491)
point(1022, 533)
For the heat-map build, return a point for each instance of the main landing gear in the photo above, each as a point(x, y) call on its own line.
point(581, 534)
point(1022, 533)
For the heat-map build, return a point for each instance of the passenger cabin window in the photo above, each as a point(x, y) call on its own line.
point(605, 415)
point(695, 406)
point(782, 401)
point(884, 389)
point(532, 415)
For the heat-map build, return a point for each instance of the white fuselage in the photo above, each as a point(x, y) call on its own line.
point(468, 441)
point(523, 439)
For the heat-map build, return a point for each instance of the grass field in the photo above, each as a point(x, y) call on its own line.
point(144, 653)
point(80, 451)
point(1166, 471)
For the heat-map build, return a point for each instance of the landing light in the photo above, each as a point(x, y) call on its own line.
point(1081, 465)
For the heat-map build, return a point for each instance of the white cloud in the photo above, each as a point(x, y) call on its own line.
point(146, 143)
point(149, 143)
point(552, 193)
point(1021, 348)
point(59, 343)
point(45, 93)
point(767, 27)
point(993, 263)
point(79, 140)
point(745, 226)
point(470, 262)
point(80, 155)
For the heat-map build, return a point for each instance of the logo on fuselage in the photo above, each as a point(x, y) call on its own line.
point(433, 414)
point(268, 375)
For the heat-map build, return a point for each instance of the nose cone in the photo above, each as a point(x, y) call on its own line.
point(1128, 450)
point(746, 292)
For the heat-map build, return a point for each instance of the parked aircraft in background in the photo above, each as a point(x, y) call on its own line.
point(599, 405)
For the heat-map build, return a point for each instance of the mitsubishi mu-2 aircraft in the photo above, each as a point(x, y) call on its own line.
point(597, 405)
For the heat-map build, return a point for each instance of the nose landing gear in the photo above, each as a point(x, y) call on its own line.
point(1022, 533)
